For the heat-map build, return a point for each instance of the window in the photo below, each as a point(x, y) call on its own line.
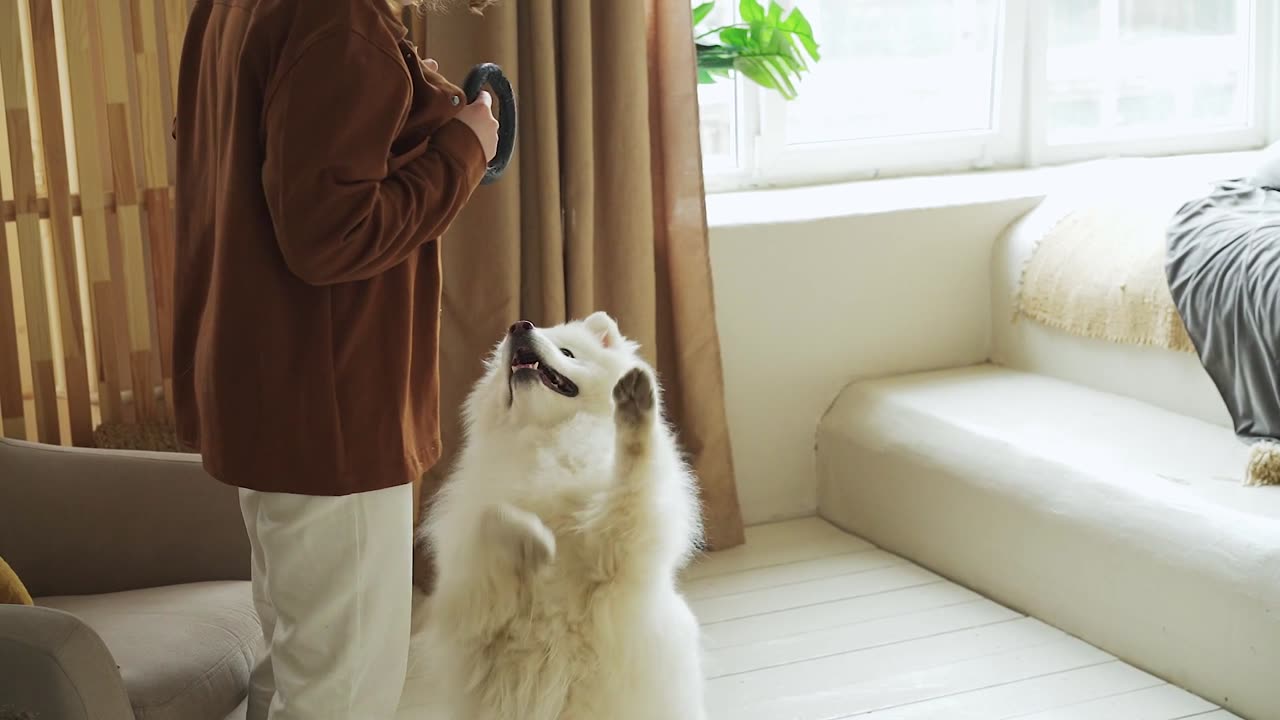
point(926, 67)
point(920, 86)
point(718, 105)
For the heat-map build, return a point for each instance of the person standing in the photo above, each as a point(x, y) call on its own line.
point(318, 162)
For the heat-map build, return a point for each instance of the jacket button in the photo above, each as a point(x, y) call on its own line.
point(455, 100)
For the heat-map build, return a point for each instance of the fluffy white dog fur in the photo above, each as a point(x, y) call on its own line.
point(557, 541)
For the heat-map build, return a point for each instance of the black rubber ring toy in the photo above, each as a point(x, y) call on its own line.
point(491, 75)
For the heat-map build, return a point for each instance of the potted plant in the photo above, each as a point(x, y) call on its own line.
point(769, 46)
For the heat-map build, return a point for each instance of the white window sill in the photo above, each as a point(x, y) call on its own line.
point(869, 197)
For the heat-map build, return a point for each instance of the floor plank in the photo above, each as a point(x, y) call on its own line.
point(812, 592)
point(789, 574)
point(805, 622)
point(1162, 702)
point(1011, 699)
point(860, 636)
point(795, 621)
point(825, 674)
point(884, 681)
point(779, 544)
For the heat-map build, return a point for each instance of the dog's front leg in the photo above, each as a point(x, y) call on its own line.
point(518, 540)
point(503, 549)
point(620, 527)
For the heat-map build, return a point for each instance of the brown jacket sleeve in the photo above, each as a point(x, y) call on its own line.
point(341, 212)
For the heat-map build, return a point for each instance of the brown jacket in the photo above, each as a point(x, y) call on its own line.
point(318, 160)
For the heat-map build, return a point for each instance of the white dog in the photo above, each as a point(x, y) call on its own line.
point(557, 541)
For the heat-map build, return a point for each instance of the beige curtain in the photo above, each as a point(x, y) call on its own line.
point(602, 208)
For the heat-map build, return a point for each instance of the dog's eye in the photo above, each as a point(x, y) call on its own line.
point(566, 352)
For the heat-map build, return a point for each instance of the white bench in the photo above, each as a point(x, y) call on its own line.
point(1117, 521)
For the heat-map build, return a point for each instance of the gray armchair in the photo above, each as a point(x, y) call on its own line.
point(139, 566)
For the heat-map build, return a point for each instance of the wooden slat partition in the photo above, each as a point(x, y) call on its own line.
point(116, 26)
point(97, 209)
point(25, 189)
point(12, 422)
point(61, 251)
point(13, 373)
point(86, 216)
point(151, 99)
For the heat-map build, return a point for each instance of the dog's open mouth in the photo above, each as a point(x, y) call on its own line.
point(526, 363)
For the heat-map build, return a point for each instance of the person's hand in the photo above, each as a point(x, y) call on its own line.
point(431, 65)
point(479, 117)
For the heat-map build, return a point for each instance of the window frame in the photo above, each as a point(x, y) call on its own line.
point(1018, 137)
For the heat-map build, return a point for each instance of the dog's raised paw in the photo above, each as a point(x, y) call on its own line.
point(634, 396)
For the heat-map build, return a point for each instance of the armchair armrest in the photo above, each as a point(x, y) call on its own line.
point(52, 665)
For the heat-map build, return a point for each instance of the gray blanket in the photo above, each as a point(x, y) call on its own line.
point(1223, 266)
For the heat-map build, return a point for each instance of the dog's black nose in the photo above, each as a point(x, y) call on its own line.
point(521, 328)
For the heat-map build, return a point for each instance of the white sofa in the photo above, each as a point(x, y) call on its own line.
point(1096, 486)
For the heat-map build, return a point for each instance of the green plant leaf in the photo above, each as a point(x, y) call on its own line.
point(798, 25)
point(737, 37)
point(701, 12)
point(722, 64)
point(768, 71)
point(757, 72)
point(770, 47)
point(775, 12)
point(715, 58)
point(764, 34)
point(751, 11)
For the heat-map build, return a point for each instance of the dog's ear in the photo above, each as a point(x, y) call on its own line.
point(604, 327)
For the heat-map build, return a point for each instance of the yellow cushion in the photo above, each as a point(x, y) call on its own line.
point(12, 591)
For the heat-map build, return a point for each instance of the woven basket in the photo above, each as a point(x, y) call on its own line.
point(155, 436)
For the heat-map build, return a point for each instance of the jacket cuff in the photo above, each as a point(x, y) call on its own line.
point(461, 145)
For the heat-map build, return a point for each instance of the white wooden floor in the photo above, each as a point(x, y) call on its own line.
point(805, 622)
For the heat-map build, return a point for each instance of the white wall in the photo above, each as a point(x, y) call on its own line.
point(806, 306)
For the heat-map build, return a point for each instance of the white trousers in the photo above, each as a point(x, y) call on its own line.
point(332, 583)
